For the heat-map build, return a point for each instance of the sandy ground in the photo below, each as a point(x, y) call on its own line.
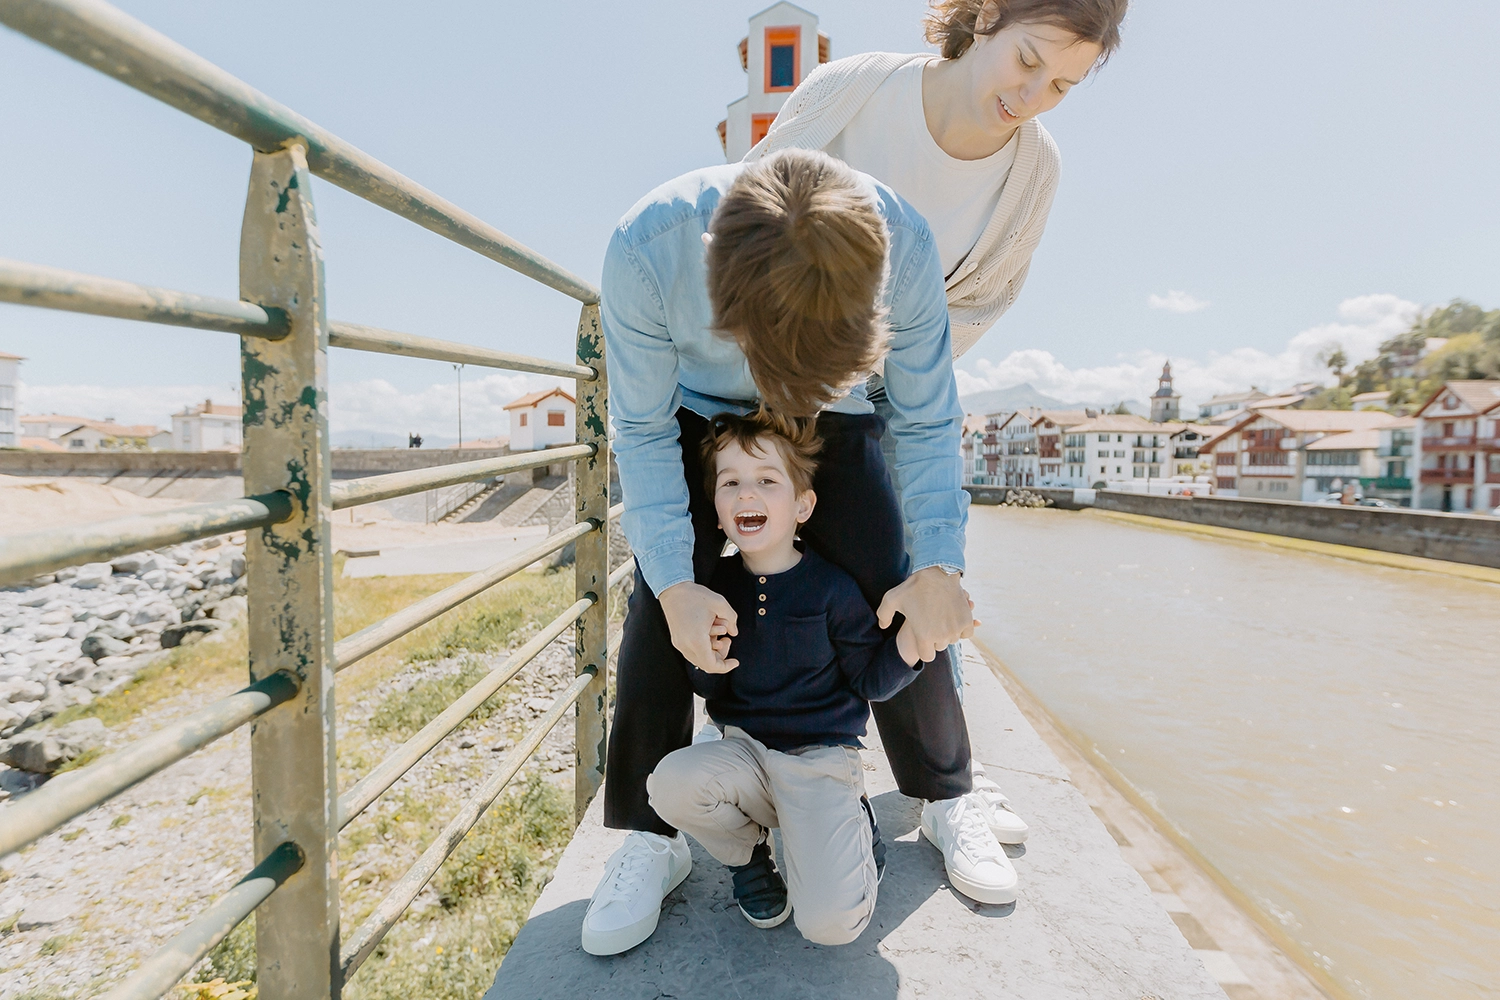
point(30, 504)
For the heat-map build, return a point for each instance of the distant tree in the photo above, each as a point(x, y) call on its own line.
point(1121, 409)
point(1335, 360)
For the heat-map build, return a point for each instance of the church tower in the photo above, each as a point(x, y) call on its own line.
point(1165, 402)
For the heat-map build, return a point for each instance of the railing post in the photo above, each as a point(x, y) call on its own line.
point(591, 565)
point(290, 578)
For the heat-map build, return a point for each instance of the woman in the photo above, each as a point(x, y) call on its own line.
point(957, 135)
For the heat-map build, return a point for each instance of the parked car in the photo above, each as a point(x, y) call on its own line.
point(1377, 502)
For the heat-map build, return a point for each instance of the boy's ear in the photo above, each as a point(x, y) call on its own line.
point(805, 504)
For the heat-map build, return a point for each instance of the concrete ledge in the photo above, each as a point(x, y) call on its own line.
point(1085, 925)
point(1460, 538)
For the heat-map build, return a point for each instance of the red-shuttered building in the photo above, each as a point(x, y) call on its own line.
point(1457, 448)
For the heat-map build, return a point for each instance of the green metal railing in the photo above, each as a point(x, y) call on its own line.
point(293, 658)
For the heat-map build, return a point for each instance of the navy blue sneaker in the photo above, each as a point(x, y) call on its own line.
point(876, 845)
point(760, 890)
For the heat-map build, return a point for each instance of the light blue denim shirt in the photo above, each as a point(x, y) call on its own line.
point(662, 354)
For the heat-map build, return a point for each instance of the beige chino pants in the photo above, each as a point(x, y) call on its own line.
point(727, 793)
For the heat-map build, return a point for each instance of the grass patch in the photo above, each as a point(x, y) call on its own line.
point(404, 712)
point(232, 960)
point(55, 944)
point(451, 951)
point(119, 820)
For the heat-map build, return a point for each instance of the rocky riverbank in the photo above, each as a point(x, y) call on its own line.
point(68, 637)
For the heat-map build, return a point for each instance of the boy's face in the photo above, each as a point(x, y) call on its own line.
point(758, 507)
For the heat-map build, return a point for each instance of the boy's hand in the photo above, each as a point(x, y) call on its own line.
point(700, 622)
point(937, 610)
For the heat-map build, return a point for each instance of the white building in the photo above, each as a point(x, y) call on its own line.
point(10, 368)
point(541, 420)
point(1269, 454)
point(784, 45)
point(1456, 450)
point(59, 432)
point(207, 426)
point(1230, 402)
point(1122, 448)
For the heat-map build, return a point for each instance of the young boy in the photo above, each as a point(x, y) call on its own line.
point(792, 703)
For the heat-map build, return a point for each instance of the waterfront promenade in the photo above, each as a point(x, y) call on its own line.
point(1086, 923)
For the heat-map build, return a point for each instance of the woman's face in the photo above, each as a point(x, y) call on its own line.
point(1023, 70)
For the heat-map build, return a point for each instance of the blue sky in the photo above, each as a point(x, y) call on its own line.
point(1276, 176)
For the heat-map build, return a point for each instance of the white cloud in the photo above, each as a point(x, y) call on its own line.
point(1362, 324)
point(378, 405)
point(1176, 301)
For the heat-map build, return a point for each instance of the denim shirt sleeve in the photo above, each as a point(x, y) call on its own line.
point(927, 420)
point(643, 399)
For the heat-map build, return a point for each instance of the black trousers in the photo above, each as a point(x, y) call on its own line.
point(856, 525)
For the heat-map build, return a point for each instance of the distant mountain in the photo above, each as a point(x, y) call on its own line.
point(384, 439)
point(1016, 397)
point(1019, 397)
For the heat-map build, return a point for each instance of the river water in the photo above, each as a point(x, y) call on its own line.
point(1326, 732)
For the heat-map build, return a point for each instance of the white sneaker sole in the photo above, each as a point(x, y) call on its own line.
point(995, 895)
point(622, 939)
point(1008, 836)
point(775, 921)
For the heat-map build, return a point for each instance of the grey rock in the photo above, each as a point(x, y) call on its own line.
point(242, 587)
point(98, 645)
point(46, 912)
point(44, 752)
point(227, 610)
point(76, 671)
point(134, 563)
point(115, 628)
point(27, 690)
point(187, 633)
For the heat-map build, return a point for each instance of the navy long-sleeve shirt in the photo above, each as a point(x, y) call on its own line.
point(811, 656)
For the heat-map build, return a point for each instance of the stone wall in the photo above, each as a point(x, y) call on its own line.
point(1461, 538)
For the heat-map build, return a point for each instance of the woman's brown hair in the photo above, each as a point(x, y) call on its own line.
point(952, 24)
point(795, 268)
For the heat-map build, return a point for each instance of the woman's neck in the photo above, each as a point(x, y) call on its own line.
point(952, 120)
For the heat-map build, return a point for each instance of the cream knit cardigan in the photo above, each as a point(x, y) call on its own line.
point(990, 277)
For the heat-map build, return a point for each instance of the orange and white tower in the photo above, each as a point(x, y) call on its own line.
point(784, 45)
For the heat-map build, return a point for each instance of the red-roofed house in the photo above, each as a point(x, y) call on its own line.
point(1457, 448)
point(541, 419)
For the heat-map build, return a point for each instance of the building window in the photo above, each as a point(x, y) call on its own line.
point(557, 418)
point(783, 57)
point(1104, 439)
point(759, 126)
point(523, 419)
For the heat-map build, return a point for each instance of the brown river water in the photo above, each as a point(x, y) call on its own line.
point(1325, 732)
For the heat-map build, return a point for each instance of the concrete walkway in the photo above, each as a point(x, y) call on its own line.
point(1085, 926)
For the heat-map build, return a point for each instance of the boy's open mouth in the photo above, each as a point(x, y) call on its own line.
point(749, 522)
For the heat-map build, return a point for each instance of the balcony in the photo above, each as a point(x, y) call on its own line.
point(1441, 476)
point(1447, 443)
point(1392, 483)
point(1395, 451)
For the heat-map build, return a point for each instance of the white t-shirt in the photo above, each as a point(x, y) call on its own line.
point(888, 139)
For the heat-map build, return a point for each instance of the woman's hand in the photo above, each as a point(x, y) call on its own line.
point(701, 622)
point(937, 610)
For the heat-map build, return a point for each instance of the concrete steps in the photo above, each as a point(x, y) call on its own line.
point(1086, 924)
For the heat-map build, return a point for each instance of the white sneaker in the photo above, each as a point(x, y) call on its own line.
point(976, 863)
point(1007, 827)
point(627, 902)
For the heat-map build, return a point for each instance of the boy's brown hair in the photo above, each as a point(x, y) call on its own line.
point(796, 438)
point(952, 24)
point(795, 269)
